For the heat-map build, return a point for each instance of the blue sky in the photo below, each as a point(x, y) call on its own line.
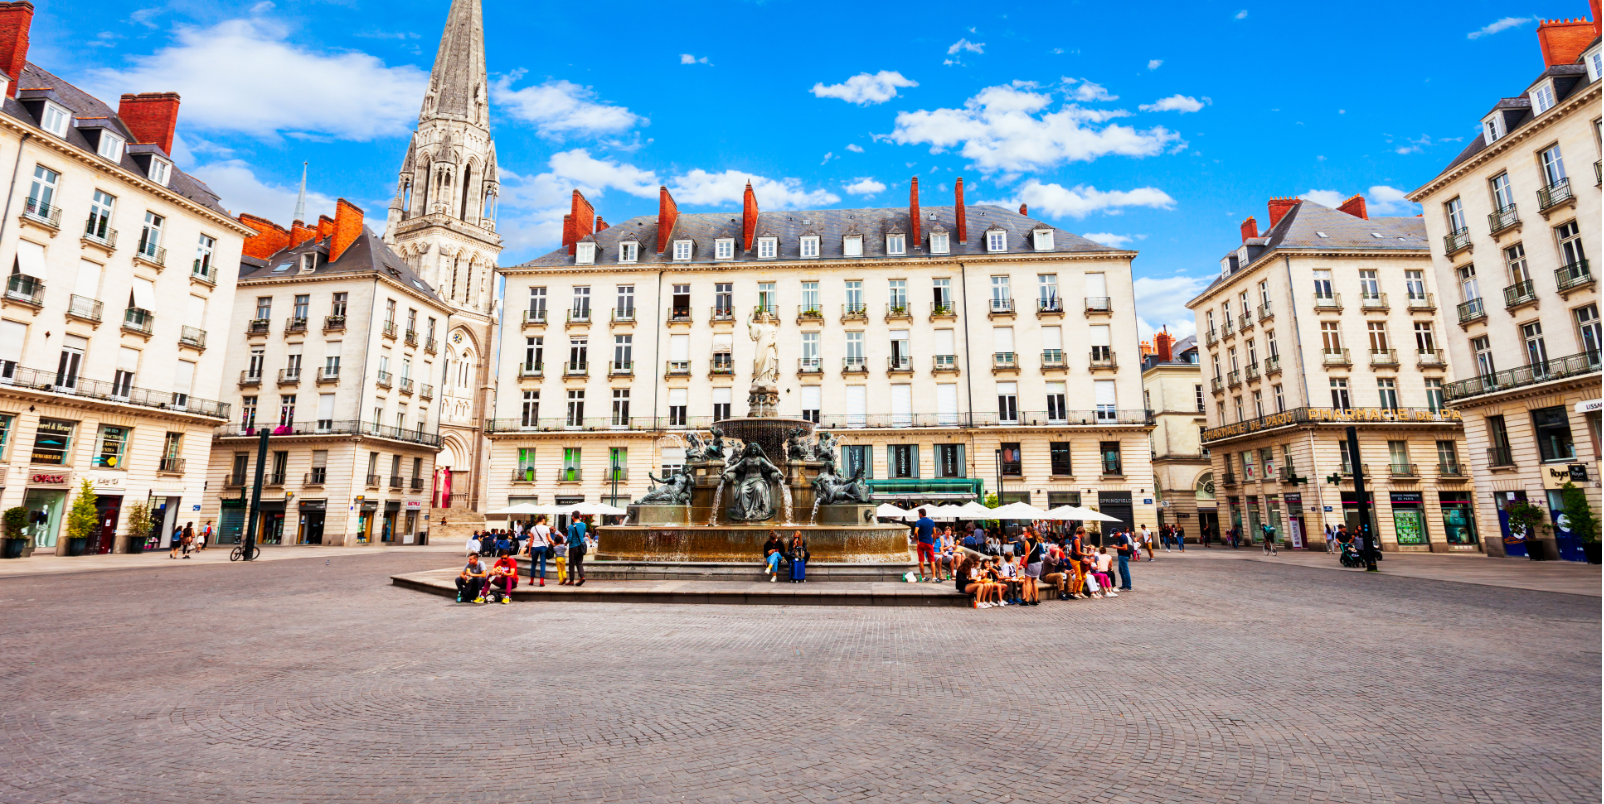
point(1149, 126)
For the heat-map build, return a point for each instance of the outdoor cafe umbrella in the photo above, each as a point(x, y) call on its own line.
point(595, 509)
point(1017, 510)
point(1068, 512)
point(521, 509)
point(890, 511)
point(973, 510)
point(935, 512)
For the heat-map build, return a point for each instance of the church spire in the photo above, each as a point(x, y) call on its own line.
point(458, 86)
point(300, 200)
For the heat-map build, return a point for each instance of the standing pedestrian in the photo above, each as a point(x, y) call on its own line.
point(1147, 542)
point(204, 537)
point(1331, 540)
point(539, 548)
point(799, 558)
point(576, 551)
point(1126, 547)
point(925, 541)
point(1180, 538)
point(178, 541)
point(188, 537)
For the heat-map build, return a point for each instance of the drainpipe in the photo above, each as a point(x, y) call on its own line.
point(969, 391)
point(6, 217)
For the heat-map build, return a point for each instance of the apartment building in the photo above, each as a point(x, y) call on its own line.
point(109, 323)
point(955, 351)
point(1510, 221)
point(333, 352)
point(1327, 320)
point(1172, 386)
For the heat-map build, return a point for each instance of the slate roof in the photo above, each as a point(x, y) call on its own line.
point(88, 107)
point(1569, 79)
point(831, 225)
point(368, 255)
point(1177, 350)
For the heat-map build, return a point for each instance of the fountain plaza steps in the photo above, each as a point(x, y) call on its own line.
point(743, 572)
point(442, 582)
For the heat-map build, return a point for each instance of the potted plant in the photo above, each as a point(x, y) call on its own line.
point(943, 309)
point(1583, 522)
point(1528, 521)
point(13, 521)
point(82, 520)
point(138, 517)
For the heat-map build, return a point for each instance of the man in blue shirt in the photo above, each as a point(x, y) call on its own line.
point(925, 530)
point(576, 551)
point(1126, 547)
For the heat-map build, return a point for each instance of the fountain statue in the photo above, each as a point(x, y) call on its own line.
point(764, 396)
point(752, 474)
point(832, 489)
point(674, 490)
point(797, 447)
point(708, 449)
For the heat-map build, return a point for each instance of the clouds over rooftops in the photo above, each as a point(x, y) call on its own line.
point(1162, 303)
point(1499, 26)
point(1082, 200)
point(865, 89)
point(1380, 199)
point(559, 107)
point(865, 185)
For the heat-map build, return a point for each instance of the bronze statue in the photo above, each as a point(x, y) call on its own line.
point(754, 491)
point(675, 490)
point(797, 447)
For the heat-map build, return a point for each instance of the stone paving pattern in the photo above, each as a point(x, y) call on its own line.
point(1217, 681)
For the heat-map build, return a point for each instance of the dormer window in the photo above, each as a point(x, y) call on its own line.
point(682, 250)
point(810, 246)
point(1225, 266)
point(938, 243)
point(852, 246)
point(724, 248)
point(628, 251)
point(111, 146)
point(1493, 128)
point(1542, 97)
point(585, 254)
point(1595, 64)
point(55, 120)
point(896, 245)
point(768, 248)
point(160, 171)
point(996, 240)
point(1044, 239)
point(309, 262)
point(1242, 256)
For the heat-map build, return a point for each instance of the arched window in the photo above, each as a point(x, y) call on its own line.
point(1205, 486)
point(467, 182)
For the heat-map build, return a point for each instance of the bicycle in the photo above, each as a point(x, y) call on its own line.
point(238, 552)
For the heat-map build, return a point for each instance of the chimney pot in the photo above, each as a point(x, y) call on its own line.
point(1279, 207)
point(151, 117)
point(15, 21)
point(580, 222)
point(1355, 206)
point(347, 228)
point(960, 212)
point(1024, 209)
point(1250, 229)
point(1562, 41)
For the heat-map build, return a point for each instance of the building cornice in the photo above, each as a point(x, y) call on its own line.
point(1583, 99)
point(298, 279)
point(94, 162)
point(733, 265)
point(1320, 253)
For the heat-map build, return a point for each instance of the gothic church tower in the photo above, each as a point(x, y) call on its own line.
point(442, 222)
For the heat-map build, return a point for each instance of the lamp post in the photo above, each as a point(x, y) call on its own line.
point(256, 496)
point(1367, 535)
point(614, 474)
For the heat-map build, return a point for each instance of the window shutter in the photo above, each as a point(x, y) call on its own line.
point(944, 342)
point(184, 377)
point(1101, 336)
point(1096, 285)
point(88, 284)
point(1003, 339)
point(12, 336)
point(963, 464)
point(679, 347)
point(1105, 392)
point(127, 359)
point(915, 460)
point(1052, 337)
point(31, 258)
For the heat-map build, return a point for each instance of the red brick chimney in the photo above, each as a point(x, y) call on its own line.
point(1279, 207)
point(347, 228)
point(1165, 345)
point(913, 213)
point(748, 217)
point(1355, 206)
point(600, 224)
point(1024, 209)
point(270, 238)
point(1250, 229)
point(961, 213)
point(300, 233)
point(15, 20)
point(325, 226)
point(580, 223)
point(667, 214)
point(1562, 41)
point(151, 117)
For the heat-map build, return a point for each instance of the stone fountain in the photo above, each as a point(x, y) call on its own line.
point(749, 476)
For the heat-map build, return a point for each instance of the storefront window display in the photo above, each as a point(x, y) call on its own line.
point(52, 442)
point(46, 508)
point(1409, 517)
point(1254, 532)
point(1458, 518)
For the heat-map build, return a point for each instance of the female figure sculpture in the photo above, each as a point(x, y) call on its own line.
point(753, 476)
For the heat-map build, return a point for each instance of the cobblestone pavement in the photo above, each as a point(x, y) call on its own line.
point(1239, 681)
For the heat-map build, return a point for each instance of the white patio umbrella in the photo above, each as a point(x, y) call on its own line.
point(937, 513)
point(521, 509)
point(1017, 510)
point(1067, 512)
point(596, 509)
point(974, 510)
point(890, 511)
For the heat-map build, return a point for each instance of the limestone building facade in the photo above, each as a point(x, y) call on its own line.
point(113, 311)
point(1173, 389)
point(1329, 319)
point(955, 351)
point(1512, 220)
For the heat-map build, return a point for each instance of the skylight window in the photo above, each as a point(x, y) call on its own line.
point(281, 267)
point(1322, 234)
point(419, 285)
point(1378, 235)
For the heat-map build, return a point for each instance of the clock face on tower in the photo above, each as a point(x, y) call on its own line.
point(456, 338)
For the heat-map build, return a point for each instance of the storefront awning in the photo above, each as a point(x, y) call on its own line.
point(1590, 406)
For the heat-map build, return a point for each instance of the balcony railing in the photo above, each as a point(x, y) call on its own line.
point(535, 317)
point(426, 391)
point(1004, 360)
point(579, 316)
point(1520, 293)
point(624, 316)
point(1404, 470)
point(617, 368)
point(1098, 305)
point(943, 310)
point(1429, 358)
point(396, 481)
point(390, 330)
point(1252, 371)
point(410, 337)
point(317, 477)
point(328, 374)
point(1456, 241)
point(721, 365)
point(1266, 311)
point(809, 365)
point(273, 478)
point(372, 481)
point(1217, 385)
point(576, 368)
point(1422, 302)
point(1557, 369)
point(1050, 306)
point(415, 484)
point(83, 308)
point(898, 311)
point(234, 480)
point(1383, 357)
point(804, 312)
point(248, 378)
point(137, 320)
point(406, 385)
point(1001, 307)
point(192, 336)
point(1472, 310)
point(1335, 357)
point(534, 369)
point(1103, 417)
point(944, 363)
point(1211, 337)
point(679, 315)
point(1500, 456)
point(1227, 327)
point(294, 324)
point(902, 364)
point(1052, 358)
point(96, 231)
point(151, 253)
point(171, 466)
point(1450, 470)
point(1272, 365)
point(292, 376)
point(1572, 276)
point(854, 365)
point(258, 326)
point(1286, 474)
point(41, 212)
point(1103, 359)
point(329, 427)
point(26, 289)
point(1554, 194)
point(430, 345)
point(1373, 302)
point(679, 368)
point(383, 379)
point(332, 323)
point(1245, 321)
point(1332, 302)
point(854, 311)
point(1233, 379)
point(1502, 219)
point(1228, 479)
point(23, 378)
point(1346, 469)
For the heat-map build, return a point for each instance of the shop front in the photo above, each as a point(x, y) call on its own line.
point(1272, 509)
point(1409, 519)
point(1296, 531)
point(1514, 543)
point(1555, 476)
point(271, 527)
point(1458, 520)
point(231, 521)
point(1234, 508)
point(392, 510)
point(310, 530)
point(1255, 532)
point(1117, 504)
point(46, 501)
point(1350, 515)
point(366, 512)
point(108, 512)
point(164, 512)
point(409, 533)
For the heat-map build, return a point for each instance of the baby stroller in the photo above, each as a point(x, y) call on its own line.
point(1350, 556)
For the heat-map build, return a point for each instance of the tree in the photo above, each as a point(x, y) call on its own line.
point(82, 519)
point(1527, 520)
point(1584, 523)
point(138, 516)
point(15, 519)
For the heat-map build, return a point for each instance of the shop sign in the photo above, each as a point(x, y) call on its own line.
point(1578, 472)
point(414, 505)
point(1328, 509)
point(1407, 498)
point(1555, 477)
point(1590, 406)
point(314, 505)
point(105, 481)
point(49, 478)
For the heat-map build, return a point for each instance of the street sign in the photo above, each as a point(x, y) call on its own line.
point(1328, 509)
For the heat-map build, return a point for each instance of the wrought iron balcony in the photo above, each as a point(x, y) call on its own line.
point(898, 312)
point(1217, 385)
point(1554, 194)
point(623, 368)
point(576, 368)
point(192, 336)
point(1052, 358)
point(40, 212)
point(98, 233)
point(1472, 310)
point(333, 323)
point(1245, 321)
point(1499, 456)
point(1456, 241)
point(1272, 365)
point(171, 465)
point(430, 346)
point(940, 363)
point(534, 369)
point(1429, 358)
point(1099, 305)
point(1376, 302)
point(294, 324)
point(899, 365)
point(1336, 357)
point(29, 290)
point(1266, 311)
point(1573, 276)
point(1233, 379)
point(854, 311)
point(1450, 470)
point(1102, 358)
point(328, 374)
point(535, 318)
point(854, 365)
point(1049, 306)
point(248, 378)
point(1520, 294)
point(624, 316)
point(1557, 369)
point(151, 253)
point(426, 391)
point(679, 368)
point(578, 316)
point(809, 365)
point(1502, 219)
point(406, 386)
point(1331, 302)
point(1404, 470)
point(390, 330)
point(83, 308)
point(1252, 371)
point(383, 379)
point(292, 376)
point(1422, 302)
point(943, 310)
point(137, 320)
point(1001, 307)
point(410, 337)
point(1383, 357)
point(1007, 361)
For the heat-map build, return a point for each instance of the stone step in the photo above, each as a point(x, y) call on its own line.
point(707, 571)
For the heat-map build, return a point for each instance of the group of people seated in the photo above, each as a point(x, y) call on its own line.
point(477, 583)
point(1069, 566)
point(794, 553)
point(539, 541)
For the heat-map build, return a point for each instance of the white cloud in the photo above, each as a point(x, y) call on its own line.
point(1008, 128)
point(1174, 103)
point(1082, 200)
point(1495, 27)
point(242, 191)
point(1162, 302)
point(865, 186)
point(865, 89)
point(699, 187)
point(560, 107)
point(965, 45)
point(293, 90)
point(1088, 91)
point(1154, 64)
point(592, 175)
point(828, 155)
point(1242, 15)
point(1385, 200)
point(686, 58)
point(1325, 198)
point(1108, 239)
point(855, 148)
